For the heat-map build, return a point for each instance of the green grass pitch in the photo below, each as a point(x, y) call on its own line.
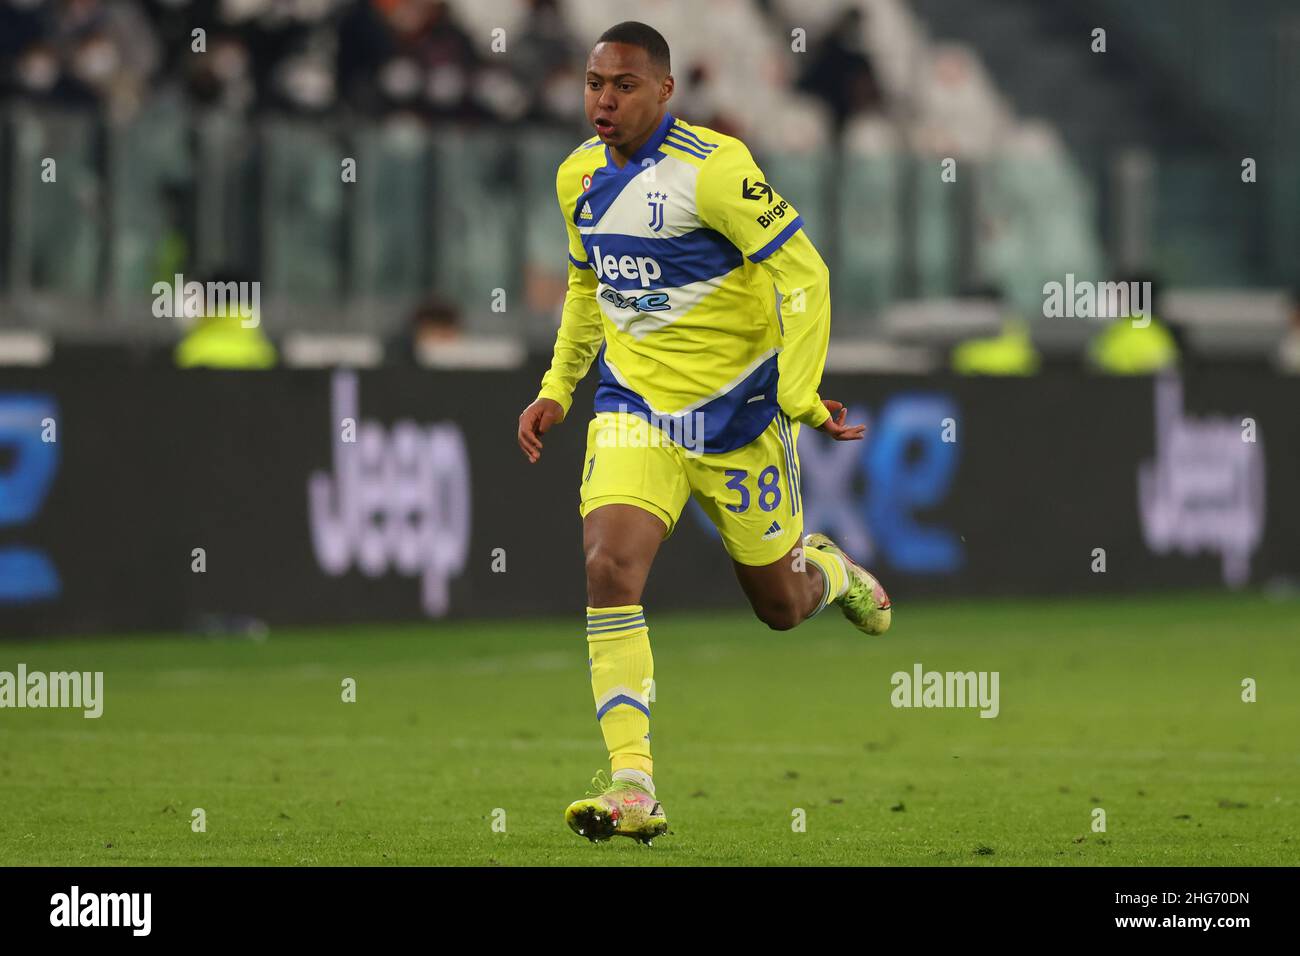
point(1131, 705)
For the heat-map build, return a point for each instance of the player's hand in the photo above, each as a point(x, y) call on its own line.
point(536, 421)
point(835, 427)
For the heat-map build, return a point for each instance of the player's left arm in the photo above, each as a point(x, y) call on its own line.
point(733, 197)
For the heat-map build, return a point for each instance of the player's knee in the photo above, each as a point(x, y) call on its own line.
point(779, 615)
point(609, 577)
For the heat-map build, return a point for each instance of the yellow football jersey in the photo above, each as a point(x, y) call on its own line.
point(674, 264)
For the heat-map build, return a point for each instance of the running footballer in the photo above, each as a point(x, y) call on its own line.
point(676, 244)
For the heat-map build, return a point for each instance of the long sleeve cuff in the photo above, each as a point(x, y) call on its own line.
point(564, 398)
point(815, 417)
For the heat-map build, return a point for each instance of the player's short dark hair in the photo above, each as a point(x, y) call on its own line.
point(635, 33)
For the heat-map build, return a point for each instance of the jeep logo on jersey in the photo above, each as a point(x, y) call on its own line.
point(642, 269)
point(756, 191)
point(773, 214)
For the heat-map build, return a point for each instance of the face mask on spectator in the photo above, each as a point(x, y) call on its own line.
point(400, 79)
point(497, 90)
point(308, 84)
point(38, 71)
point(446, 85)
point(95, 62)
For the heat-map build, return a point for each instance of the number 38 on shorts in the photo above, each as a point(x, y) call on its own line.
point(751, 494)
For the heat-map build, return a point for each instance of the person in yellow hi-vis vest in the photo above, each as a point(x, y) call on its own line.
point(228, 335)
point(1137, 343)
point(1133, 346)
point(1009, 353)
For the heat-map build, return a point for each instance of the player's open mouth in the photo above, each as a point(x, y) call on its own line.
point(603, 125)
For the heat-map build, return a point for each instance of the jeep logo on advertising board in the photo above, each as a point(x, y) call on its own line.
point(397, 499)
point(1204, 489)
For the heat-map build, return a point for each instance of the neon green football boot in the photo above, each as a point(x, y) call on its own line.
point(618, 808)
point(865, 603)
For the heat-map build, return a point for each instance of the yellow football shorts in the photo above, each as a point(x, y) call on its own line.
point(751, 494)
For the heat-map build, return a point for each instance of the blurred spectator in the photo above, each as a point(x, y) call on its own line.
point(110, 49)
point(840, 72)
point(173, 23)
point(38, 76)
point(434, 323)
point(222, 78)
point(366, 43)
point(426, 34)
point(543, 58)
point(697, 101)
point(78, 53)
point(22, 23)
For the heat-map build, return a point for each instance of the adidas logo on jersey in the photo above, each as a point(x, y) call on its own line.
point(586, 211)
point(772, 532)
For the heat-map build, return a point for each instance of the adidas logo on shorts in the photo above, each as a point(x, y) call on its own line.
point(772, 532)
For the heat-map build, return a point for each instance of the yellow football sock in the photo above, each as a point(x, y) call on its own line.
point(622, 678)
point(835, 576)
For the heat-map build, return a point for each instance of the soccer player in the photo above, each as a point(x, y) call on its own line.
point(676, 245)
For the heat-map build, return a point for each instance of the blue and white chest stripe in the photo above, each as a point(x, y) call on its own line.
point(732, 417)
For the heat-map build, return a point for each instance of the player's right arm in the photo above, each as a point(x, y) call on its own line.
point(577, 341)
